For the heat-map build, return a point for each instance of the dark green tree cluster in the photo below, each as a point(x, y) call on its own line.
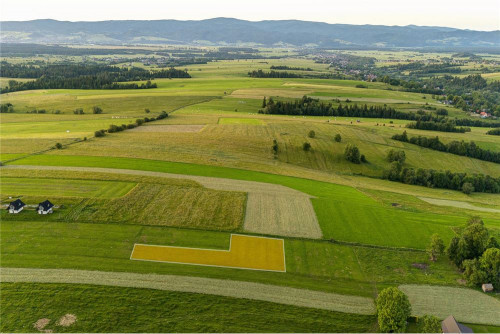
point(399, 156)
point(290, 68)
point(477, 253)
point(446, 126)
point(494, 132)
point(456, 147)
point(273, 74)
point(307, 106)
point(442, 179)
point(78, 76)
point(353, 154)
point(6, 108)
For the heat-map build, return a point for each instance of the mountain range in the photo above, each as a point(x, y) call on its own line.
point(228, 31)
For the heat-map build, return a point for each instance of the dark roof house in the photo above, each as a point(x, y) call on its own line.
point(450, 325)
point(16, 206)
point(45, 207)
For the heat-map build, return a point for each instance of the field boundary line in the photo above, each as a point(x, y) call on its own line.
point(211, 286)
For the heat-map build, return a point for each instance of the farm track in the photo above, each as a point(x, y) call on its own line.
point(268, 208)
point(227, 288)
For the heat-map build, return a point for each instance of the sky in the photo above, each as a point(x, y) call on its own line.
point(464, 14)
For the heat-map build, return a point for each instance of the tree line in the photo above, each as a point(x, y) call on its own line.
point(290, 68)
point(455, 147)
point(82, 76)
point(495, 132)
point(442, 179)
point(443, 126)
point(307, 106)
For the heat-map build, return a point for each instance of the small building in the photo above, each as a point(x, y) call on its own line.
point(450, 325)
point(45, 207)
point(16, 206)
point(487, 287)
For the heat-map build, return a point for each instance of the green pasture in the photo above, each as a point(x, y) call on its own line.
point(310, 264)
point(14, 186)
point(247, 121)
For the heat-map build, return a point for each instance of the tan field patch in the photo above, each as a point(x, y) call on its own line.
point(40, 325)
point(271, 208)
point(281, 215)
point(67, 320)
point(211, 286)
point(456, 204)
point(245, 252)
point(169, 128)
point(259, 93)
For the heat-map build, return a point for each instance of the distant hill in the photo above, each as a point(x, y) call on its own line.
point(227, 31)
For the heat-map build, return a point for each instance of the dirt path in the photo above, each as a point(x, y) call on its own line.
point(228, 288)
point(268, 207)
point(457, 204)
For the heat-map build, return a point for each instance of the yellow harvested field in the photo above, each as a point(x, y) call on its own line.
point(245, 252)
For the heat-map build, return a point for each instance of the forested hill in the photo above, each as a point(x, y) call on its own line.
point(225, 30)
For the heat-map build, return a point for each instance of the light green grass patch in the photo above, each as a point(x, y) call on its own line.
point(465, 305)
point(246, 121)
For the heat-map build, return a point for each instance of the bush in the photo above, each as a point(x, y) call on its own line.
point(306, 146)
point(78, 111)
point(131, 126)
point(97, 110)
point(467, 188)
point(393, 310)
point(275, 146)
point(399, 156)
point(361, 86)
point(338, 138)
point(59, 146)
point(100, 133)
point(429, 324)
point(363, 158)
point(139, 121)
point(147, 111)
point(351, 154)
point(311, 134)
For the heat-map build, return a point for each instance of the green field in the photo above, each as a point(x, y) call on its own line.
point(374, 232)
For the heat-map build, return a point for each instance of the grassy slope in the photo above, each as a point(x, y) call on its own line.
point(117, 309)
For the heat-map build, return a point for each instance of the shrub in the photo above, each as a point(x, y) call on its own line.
point(131, 126)
point(57, 112)
point(100, 133)
point(97, 110)
point(59, 146)
point(139, 121)
point(306, 146)
point(429, 324)
point(275, 146)
point(78, 111)
point(162, 115)
point(361, 86)
point(352, 154)
point(393, 310)
point(338, 138)
point(311, 134)
point(467, 188)
point(147, 111)
point(363, 158)
point(399, 156)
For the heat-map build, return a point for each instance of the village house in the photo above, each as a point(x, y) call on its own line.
point(45, 207)
point(450, 325)
point(16, 206)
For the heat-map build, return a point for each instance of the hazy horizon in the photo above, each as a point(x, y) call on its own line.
point(482, 15)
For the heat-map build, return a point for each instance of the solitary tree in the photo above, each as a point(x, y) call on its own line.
point(338, 138)
point(264, 102)
point(312, 134)
point(275, 147)
point(59, 146)
point(393, 310)
point(436, 248)
point(147, 111)
point(97, 110)
point(306, 146)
